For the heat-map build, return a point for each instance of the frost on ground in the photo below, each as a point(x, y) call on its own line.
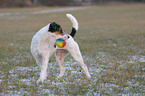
point(22, 80)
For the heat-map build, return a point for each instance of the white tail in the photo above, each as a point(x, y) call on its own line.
point(73, 20)
point(75, 24)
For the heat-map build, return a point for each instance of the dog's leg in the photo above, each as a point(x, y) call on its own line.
point(76, 54)
point(43, 73)
point(60, 55)
point(38, 59)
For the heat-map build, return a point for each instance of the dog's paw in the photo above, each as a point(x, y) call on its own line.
point(40, 81)
point(89, 77)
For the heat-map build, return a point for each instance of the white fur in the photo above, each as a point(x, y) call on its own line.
point(42, 47)
point(73, 20)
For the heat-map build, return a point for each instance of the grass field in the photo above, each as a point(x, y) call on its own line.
point(111, 39)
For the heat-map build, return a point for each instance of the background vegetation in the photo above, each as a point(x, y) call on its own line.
point(30, 3)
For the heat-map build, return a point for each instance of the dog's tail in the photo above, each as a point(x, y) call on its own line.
point(75, 24)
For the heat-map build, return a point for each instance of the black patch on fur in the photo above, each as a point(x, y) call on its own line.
point(54, 45)
point(54, 27)
point(60, 31)
point(73, 32)
point(67, 36)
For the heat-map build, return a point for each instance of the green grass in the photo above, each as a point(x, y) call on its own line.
point(111, 39)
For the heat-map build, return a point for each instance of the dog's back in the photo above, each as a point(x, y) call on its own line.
point(42, 40)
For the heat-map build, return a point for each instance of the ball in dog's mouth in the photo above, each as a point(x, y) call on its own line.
point(60, 43)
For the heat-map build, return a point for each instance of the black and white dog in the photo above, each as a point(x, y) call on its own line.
point(43, 46)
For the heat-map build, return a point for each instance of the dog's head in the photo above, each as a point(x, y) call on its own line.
point(54, 27)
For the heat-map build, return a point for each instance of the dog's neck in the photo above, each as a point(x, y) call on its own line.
point(59, 33)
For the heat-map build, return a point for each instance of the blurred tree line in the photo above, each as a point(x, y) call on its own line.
point(22, 3)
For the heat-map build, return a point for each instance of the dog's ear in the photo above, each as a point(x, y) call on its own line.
point(51, 27)
point(60, 30)
point(54, 27)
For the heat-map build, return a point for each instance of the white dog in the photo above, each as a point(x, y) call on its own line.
point(43, 46)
